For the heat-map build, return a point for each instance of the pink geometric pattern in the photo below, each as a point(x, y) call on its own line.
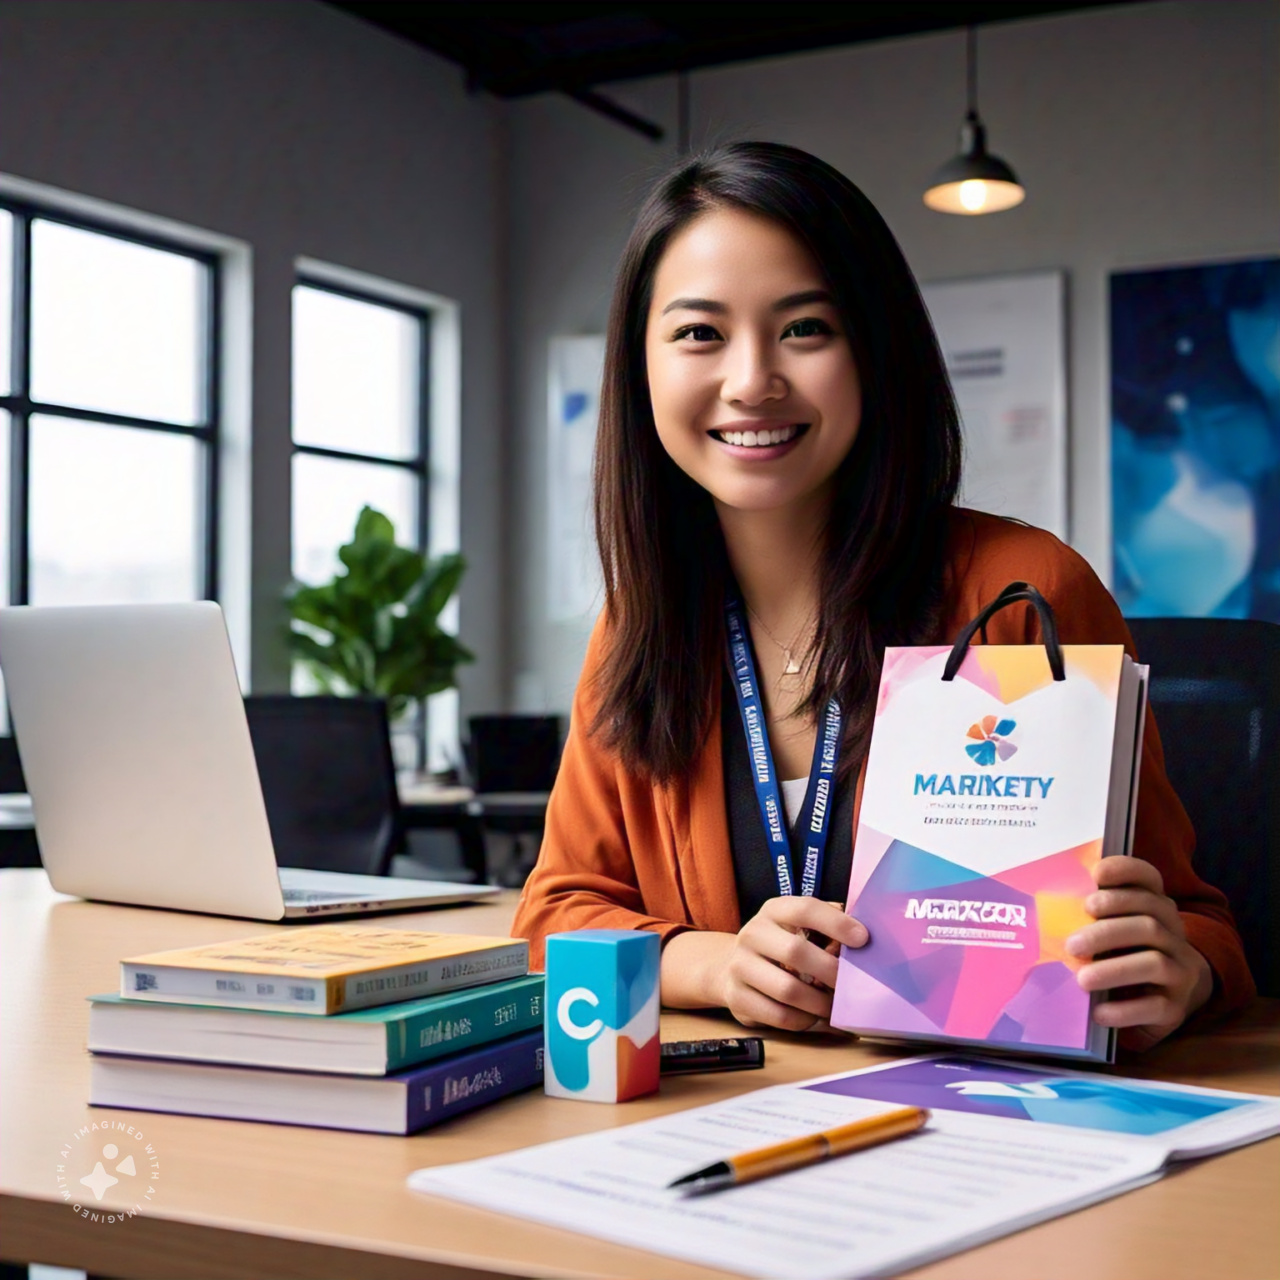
point(939, 929)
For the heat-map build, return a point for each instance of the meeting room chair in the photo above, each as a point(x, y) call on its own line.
point(513, 753)
point(18, 847)
point(1215, 691)
point(328, 780)
point(513, 760)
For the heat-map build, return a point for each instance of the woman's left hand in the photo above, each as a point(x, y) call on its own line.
point(1159, 979)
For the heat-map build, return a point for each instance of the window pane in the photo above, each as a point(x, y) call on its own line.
point(355, 375)
point(115, 514)
point(116, 326)
point(6, 298)
point(327, 496)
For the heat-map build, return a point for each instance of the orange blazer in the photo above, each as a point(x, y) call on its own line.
point(623, 853)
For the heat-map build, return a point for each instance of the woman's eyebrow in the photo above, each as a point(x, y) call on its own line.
point(805, 299)
point(695, 304)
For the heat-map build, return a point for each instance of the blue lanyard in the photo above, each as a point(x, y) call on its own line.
point(815, 816)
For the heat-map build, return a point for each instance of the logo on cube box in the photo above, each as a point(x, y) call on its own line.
point(602, 1014)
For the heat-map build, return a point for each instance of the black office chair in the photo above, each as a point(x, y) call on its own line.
point(1215, 690)
point(18, 847)
point(514, 754)
point(328, 780)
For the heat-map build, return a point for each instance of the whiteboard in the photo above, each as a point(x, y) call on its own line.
point(1004, 341)
point(575, 370)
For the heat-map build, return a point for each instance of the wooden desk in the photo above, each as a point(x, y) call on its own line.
point(238, 1200)
point(426, 806)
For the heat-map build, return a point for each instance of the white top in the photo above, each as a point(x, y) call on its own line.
point(793, 790)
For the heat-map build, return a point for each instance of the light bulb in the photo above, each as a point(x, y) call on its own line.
point(974, 196)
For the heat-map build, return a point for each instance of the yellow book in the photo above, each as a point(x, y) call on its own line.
point(322, 969)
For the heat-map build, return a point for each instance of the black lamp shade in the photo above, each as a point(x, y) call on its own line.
point(974, 181)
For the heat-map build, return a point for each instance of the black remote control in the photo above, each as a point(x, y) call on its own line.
point(683, 1057)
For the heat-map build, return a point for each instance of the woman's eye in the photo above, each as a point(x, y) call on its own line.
point(696, 333)
point(810, 327)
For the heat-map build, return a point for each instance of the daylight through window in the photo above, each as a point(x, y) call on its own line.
point(359, 436)
point(108, 407)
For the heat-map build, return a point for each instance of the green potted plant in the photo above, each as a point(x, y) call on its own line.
point(375, 628)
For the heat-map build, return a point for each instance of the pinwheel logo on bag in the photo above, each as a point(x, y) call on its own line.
point(992, 743)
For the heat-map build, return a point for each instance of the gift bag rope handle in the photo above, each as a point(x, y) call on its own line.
point(1012, 594)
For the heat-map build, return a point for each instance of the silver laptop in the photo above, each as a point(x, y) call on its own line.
point(137, 754)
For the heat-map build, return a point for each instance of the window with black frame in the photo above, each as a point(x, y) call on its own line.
point(360, 414)
point(108, 413)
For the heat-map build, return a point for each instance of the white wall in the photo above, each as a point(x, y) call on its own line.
point(299, 131)
point(1145, 134)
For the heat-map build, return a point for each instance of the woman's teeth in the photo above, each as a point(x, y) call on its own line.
point(758, 439)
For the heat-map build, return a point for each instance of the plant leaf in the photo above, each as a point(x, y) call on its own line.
point(439, 582)
point(373, 526)
point(374, 627)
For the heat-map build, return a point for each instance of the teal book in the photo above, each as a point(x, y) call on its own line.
point(371, 1042)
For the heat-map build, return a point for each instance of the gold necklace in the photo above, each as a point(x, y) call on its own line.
point(792, 667)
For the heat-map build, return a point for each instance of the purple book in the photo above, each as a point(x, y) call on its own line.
point(402, 1103)
point(454, 1085)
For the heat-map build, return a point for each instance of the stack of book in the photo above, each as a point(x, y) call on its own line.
point(337, 1026)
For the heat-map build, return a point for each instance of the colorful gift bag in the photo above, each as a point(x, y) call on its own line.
point(997, 777)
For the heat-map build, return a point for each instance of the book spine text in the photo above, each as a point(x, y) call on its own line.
point(474, 1079)
point(489, 1014)
point(448, 973)
point(236, 990)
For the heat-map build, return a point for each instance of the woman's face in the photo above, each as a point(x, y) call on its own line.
point(754, 388)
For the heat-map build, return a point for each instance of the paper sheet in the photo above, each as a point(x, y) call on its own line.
point(963, 1180)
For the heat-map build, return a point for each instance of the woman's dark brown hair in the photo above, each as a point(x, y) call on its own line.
point(665, 569)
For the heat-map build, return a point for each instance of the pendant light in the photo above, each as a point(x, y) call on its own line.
point(974, 181)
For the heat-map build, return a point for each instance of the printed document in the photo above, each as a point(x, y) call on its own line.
point(971, 1175)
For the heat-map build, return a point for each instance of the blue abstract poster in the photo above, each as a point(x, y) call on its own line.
point(1195, 440)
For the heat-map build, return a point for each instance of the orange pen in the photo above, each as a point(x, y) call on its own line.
point(795, 1153)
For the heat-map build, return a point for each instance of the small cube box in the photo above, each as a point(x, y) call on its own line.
point(602, 1014)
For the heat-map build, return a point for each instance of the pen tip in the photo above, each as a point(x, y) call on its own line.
point(694, 1180)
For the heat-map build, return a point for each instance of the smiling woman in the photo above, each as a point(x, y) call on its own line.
point(754, 388)
point(776, 468)
point(760, 290)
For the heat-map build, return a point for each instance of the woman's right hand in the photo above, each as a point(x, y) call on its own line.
point(774, 976)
